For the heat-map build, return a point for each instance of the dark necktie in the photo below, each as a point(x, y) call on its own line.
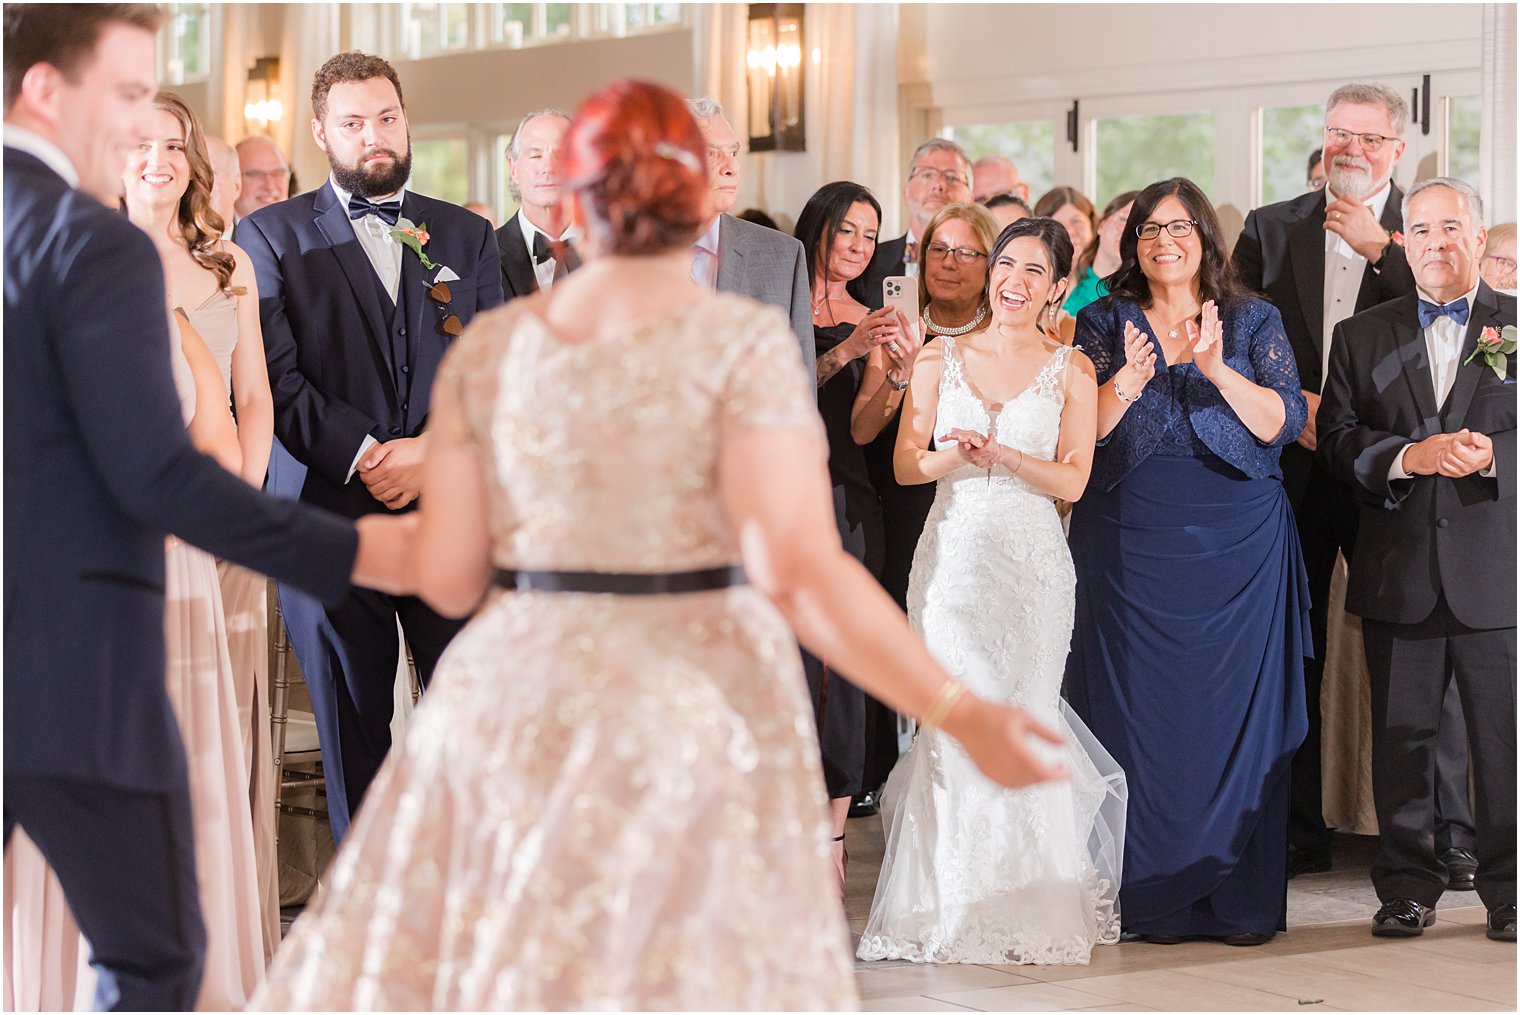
point(358, 207)
point(1457, 310)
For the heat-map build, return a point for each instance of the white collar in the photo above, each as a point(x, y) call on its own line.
point(529, 230)
point(344, 195)
point(1377, 202)
point(47, 152)
point(1471, 297)
point(708, 241)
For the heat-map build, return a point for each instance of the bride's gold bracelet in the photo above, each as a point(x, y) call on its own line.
point(949, 693)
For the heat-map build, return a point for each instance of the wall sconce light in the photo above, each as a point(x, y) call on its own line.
point(773, 56)
point(263, 106)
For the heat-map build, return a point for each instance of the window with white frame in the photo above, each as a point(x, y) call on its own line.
point(1029, 143)
point(433, 29)
point(185, 43)
point(436, 29)
point(1289, 135)
point(441, 168)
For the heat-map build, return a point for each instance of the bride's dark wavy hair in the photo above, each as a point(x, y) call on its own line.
point(198, 222)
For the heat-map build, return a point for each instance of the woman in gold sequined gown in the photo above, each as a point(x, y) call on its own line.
point(613, 800)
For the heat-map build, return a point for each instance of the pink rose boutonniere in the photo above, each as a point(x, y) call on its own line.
point(1396, 237)
point(1495, 347)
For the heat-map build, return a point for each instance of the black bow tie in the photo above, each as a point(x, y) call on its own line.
point(390, 211)
point(561, 251)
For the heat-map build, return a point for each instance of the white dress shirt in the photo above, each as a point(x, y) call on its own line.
point(384, 253)
point(543, 270)
point(374, 235)
point(1443, 344)
point(1344, 269)
point(704, 256)
point(36, 145)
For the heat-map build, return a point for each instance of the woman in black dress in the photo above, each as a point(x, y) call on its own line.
point(837, 228)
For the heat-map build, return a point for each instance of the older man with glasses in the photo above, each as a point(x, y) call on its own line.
point(1320, 258)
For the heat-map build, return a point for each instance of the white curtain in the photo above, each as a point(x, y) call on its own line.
point(310, 37)
point(1496, 147)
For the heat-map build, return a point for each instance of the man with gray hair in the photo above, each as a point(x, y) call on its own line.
point(538, 242)
point(266, 174)
point(735, 256)
point(1418, 418)
point(1320, 258)
point(939, 173)
point(226, 181)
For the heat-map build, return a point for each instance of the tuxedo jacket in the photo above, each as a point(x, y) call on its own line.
point(1426, 536)
point(1281, 254)
point(517, 277)
point(343, 365)
point(890, 259)
point(769, 266)
point(98, 467)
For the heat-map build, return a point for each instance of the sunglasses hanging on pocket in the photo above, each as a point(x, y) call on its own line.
point(450, 324)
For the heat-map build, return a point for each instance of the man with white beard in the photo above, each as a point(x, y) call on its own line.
point(1320, 258)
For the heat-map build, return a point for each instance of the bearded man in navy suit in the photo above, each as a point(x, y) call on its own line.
point(362, 287)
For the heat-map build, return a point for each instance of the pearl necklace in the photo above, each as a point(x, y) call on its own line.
point(929, 325)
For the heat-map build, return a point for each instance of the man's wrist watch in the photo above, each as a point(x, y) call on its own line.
point(897, 385)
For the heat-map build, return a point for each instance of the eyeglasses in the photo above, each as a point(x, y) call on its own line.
point(950, 178)
point(265, 174)
point(965, 255)
point(1370, 142)
point(1176, 227)
point(1502, 263)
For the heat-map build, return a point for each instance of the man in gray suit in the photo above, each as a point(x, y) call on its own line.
point(734, 256)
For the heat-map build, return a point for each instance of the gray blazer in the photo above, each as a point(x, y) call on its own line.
point(770, 267)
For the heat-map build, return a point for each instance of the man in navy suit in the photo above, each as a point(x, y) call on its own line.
point(98, 467)
point(356, 320)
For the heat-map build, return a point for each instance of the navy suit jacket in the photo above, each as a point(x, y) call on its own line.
point(1426, 536)
point(325, 336)
point(98, 467)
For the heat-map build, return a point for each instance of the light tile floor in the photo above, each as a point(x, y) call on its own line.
point(1328, 961)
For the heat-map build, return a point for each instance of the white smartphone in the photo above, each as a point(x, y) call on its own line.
point(901, 292)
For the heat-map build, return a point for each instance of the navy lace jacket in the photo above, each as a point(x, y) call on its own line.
point(1255, 344)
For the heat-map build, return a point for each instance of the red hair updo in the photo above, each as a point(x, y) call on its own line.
point(637, 161)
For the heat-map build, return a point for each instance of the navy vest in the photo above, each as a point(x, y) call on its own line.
point(398, 349)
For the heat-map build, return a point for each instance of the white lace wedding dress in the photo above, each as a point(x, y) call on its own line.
point(974, 872)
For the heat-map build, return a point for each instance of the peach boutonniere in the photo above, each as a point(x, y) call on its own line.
point(410, 233)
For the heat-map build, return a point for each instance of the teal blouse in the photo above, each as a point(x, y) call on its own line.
point(1088, 289)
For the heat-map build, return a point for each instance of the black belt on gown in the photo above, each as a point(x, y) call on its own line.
point(659, 584)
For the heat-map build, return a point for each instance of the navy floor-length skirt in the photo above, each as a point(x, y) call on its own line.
point(1187, 664)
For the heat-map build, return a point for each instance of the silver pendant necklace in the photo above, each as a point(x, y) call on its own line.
point(929, 325)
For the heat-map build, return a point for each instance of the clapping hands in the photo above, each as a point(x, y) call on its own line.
point(1139, 360)
point(979, 450)
point(1208, 344)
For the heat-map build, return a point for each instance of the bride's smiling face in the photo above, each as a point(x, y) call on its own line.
point(158, 170)
point(1020, 283)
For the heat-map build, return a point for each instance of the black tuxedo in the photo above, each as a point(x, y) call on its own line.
point(98, 467)
point(1433, 580)
point(517, 275)
point(346, 363)
point(904, 509)
point(1281, 254)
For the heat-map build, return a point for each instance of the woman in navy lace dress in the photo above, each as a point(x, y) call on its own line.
point(1192, 606)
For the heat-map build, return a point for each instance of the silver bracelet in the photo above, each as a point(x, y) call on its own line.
point(1122, 396)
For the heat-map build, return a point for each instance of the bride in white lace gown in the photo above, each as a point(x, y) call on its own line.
point(974, 872)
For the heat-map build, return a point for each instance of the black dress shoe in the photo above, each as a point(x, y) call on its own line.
point(1162, 939)
point(1461, 868)
point(1501, 923)
point(1246, 940)
point(866, 805)
point(1404, 918)
point(1307, 861)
